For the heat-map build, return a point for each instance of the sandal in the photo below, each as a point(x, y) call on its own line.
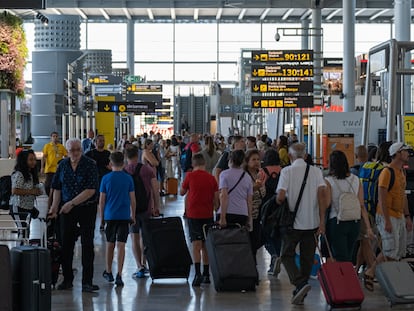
point(369, 282)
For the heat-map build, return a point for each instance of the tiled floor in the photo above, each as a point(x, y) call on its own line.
point(271, 294)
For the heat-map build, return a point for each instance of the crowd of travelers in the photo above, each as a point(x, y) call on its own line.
point(224, 183)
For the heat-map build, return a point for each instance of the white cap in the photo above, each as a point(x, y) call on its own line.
point(396, 147)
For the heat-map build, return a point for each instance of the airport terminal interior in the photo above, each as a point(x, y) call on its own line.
point(335, 73)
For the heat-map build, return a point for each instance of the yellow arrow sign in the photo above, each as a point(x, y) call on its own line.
point(256, 57)
point(122, 108)
point(254, 72)
point(107, 108)
point(256, 104)
point(255, 88)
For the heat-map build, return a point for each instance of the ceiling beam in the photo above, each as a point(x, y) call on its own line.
point(150, 14)
point(242, 13)
point(219, 13)
point(378, 14)
point(127, 14)
point(104, 14)
point(81, 13)
point(332, 14)
point(287, 14)
point(264, 14)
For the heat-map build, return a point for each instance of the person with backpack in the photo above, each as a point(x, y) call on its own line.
point(147, 203)
point(203, 197)
point(345, 195)
point(117, 207)
point(237, 143)
point(361, 156)
point(392, 214)
point(191, 148)
point(269, 174)
point(368, 176)
point(24, 188)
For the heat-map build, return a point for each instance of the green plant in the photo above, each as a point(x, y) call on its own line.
point(13, 53)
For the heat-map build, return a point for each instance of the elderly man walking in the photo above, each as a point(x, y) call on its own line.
point(309, 220)
point(75, 187)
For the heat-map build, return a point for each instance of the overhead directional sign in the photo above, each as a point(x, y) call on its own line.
point(297, 71)
point(282, 101)
point(156, 98)
point(126, 106)
point(270, 56)
point(144, 88)
point(282, 86)
point(282, 79)
point(104, 79)
point(235, 108)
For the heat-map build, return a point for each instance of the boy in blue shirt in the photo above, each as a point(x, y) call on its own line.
point(117, 207)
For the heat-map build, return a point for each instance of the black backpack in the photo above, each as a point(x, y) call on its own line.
point(141, 196)
point(186, 157)
point(5, 192)
point(270, 184)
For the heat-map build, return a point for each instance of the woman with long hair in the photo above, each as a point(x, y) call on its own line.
point(343, 234)
point(148, 156)
point(236, 191)
point(211, 156)
point(25, 181)
point(252, 167)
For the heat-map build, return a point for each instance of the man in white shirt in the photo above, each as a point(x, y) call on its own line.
point(310, 218)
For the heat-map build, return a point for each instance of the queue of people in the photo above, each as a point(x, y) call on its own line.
point(223, 186)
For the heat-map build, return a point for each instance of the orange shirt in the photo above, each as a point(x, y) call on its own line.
point(394, 200)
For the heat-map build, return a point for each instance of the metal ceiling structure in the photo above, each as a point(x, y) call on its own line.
point(231, 11)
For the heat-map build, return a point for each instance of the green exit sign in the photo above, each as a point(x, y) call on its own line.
point(133, 79)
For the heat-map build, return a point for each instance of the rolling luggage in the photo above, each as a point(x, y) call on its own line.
point(340, 284)
point(5, 279)
point(172, 186)
point(396, 279)
point(165, 248)
point(231, 259)
point(31, 278)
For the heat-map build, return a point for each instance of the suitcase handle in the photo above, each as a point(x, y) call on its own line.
point(327, 246)
point(217, 226)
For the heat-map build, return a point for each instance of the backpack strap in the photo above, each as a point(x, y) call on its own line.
point(241, 177)
point(392, 178)
point(266, 171)
point(301, 190)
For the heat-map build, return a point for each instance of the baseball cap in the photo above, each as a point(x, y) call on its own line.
point(396, 147)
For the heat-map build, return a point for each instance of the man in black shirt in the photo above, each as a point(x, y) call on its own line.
point(101, 157)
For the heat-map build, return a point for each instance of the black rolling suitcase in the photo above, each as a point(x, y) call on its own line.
point(31, 278)
point(231, 259)
point(5, 279)
point(165, 248)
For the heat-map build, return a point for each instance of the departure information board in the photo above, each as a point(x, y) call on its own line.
point(282, 79)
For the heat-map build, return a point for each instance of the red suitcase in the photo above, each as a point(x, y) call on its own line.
point(340, 284)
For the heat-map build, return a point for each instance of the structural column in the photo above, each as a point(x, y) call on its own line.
point(130, 47)
point(349, 55)
point(402, 20)
point(56, 45)
point(304, 46)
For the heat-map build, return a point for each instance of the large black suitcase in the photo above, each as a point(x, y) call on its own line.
point(31, 278)
point(5, 279)
point(165, 248)
point(231, 259)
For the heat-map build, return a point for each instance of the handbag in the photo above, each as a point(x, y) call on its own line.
point(287, 217)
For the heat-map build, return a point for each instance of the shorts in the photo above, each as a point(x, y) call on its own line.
point(140, 218)
point(195, 228)
point(394, 243)
point(117, 230)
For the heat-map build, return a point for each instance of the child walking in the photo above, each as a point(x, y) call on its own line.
point(117, 207)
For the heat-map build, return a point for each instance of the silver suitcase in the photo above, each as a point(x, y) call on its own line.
point(396, 279)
